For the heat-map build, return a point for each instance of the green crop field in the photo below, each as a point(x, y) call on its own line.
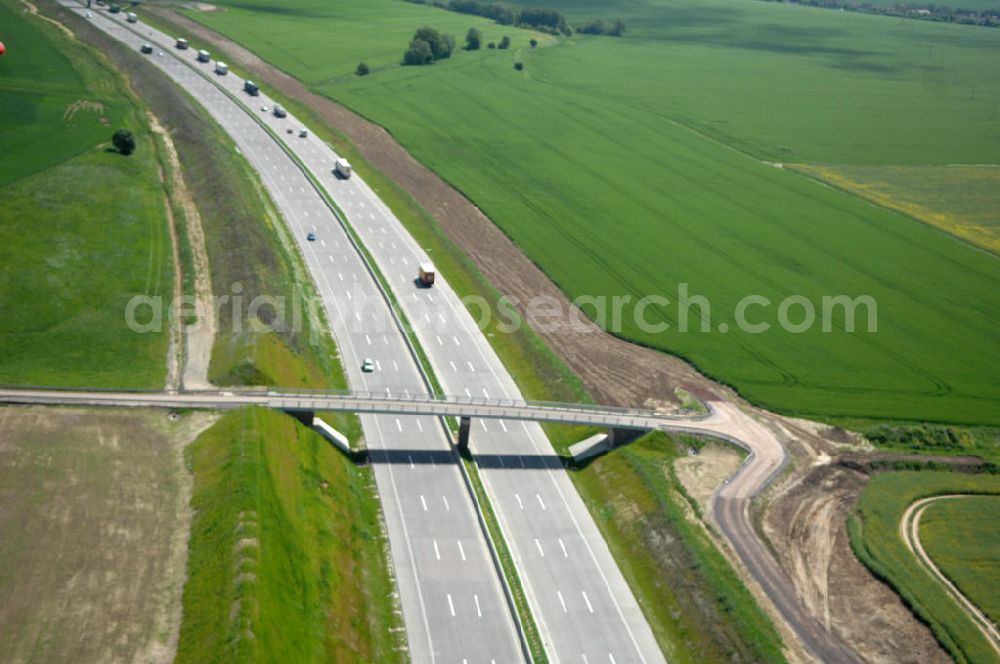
point(629, 166)
point(874, 533)
point(83, 229)
point(962, 539)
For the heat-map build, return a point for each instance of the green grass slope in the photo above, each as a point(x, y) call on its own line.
point(962, 539)
point(599, 161)
point(874, 533)
point(83, 229)
point(286, 561)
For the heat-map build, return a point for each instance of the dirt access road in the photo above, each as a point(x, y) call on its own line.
point(909, 531)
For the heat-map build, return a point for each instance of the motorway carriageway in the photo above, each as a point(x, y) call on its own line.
point(452, 599)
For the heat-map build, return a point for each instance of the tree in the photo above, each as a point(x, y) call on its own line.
point(519, 66)
point(362, 69)
point(533, 42)
point(491, 45)
point(419, 53)
point(124, 141)
point(473, 39)
point(504, 43)
point(441, 45)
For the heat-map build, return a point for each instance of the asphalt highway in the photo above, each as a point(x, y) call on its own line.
point(455, 608)
point(453, 602)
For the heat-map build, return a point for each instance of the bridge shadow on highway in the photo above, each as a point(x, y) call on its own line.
point(406, 457)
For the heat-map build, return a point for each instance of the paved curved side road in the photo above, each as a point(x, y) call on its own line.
point(909, 531)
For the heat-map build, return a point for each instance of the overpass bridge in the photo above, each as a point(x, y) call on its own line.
point(304, 405)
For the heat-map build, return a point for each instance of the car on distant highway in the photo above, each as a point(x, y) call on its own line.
point(311, 237)
point(146, 48)
point(368, 366)
point(303, 132)
point(263, 109)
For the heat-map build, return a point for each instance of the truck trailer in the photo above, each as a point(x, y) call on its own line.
point(251, 88)
point(342, 168)
point(204, 56)
point(221, 68)
point(425, 274)
point(182, 43)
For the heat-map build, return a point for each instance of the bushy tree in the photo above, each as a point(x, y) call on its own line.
point(441, 45)
point(504, 43)
point(491, 45)
point(124, 141)
point(533, 42)
point(362, 69)
point(519, 66)
point(473, 39)
point(419, 53)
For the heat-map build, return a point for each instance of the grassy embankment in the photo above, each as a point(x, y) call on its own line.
point(874, 534)
point(84, 227)
point(318, 585)
point(540, 375)
point(800, 86)
point(285, 550)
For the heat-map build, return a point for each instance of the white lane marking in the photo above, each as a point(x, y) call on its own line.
point(323, 242)
point(378, 365)
point(502, 425)
point(442, 318)
point(471, 367)
point(423, 502)
point(540, 501)
point(452, 363)
point(426, 317)
point(562, 601)
point(399, 425)
point(479, 610)
point(340, 275)
point(385, 339)
point(563, 547)
point(587, 600)
point(611, 658)
point(539, 545)
point(468, 393)
point(519, 503)
point(455, 339)
point(430, 298)
point(485, 393)
point(447, 507)
point(368, 340)
point(420, 426)
point(395, 367)
point(461, 550)
point(357, 314)
point(437, 551)
point(306, 213)
point(482, 423)
point(440, 343)
point(451, 606)
point(409, 457)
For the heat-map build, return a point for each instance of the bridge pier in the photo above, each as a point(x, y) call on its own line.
point(464, 425)
point(618, 437)
point(304, 416)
